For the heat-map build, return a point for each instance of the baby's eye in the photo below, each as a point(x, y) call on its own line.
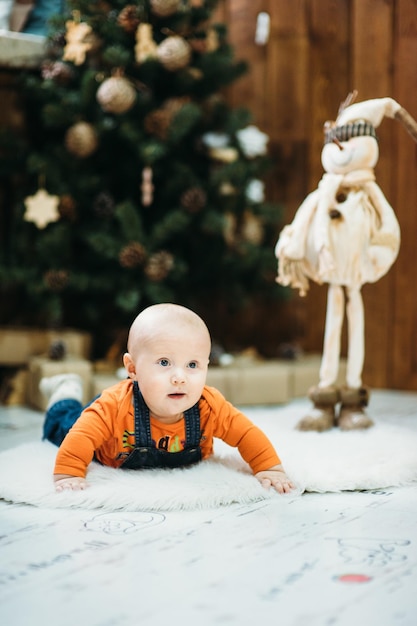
point(163, 362)
point(192, 364)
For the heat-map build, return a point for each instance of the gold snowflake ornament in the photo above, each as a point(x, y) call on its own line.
point(42, 208)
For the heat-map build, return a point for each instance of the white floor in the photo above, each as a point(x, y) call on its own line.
point(320, 560)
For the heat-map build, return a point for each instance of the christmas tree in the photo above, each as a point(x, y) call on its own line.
point(141, 184)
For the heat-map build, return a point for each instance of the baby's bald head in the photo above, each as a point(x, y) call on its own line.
point(164, 319)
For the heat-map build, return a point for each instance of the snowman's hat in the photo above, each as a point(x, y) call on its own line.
point(362, 118)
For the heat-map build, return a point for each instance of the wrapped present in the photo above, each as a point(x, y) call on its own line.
point(40, 367)
point(18, 345)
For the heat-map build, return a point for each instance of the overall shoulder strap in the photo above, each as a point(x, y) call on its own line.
point(192, 426)
point(143, 436)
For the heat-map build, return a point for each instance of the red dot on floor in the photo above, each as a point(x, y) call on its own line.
point(354, 578)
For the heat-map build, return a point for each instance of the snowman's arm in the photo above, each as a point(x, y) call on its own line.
point(291, 243)
point(387, 230)
point(291, 246)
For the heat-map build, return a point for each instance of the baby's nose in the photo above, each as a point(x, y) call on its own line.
point(178, 376)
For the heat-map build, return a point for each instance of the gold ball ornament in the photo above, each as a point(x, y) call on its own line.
point(116, 95)
point(81, 139)
point(164, 8)
point(174, 53)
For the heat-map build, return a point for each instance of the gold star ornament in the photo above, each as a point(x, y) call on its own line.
point(41, 208)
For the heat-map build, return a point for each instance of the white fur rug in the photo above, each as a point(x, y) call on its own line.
point(381, 457)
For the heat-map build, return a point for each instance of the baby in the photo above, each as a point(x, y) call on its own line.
point(162, 415)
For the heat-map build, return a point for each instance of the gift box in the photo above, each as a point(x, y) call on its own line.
point(17, 345)
point(40, 367)
point(252, 383)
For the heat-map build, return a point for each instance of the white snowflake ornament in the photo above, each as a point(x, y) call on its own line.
point(255, 191)
point(252, 141)
point(41, 208)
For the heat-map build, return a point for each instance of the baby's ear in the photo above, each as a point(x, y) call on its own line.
point(129, 365)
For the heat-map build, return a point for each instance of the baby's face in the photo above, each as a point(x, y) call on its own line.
point(171, 369)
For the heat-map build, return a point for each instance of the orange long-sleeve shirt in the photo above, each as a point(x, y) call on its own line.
point(105, 430)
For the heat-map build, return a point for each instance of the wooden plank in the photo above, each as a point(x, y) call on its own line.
point(328, 73)
point(372, 51)
point(403, 370)
point(287, 98)
point(371, 75)
point(250, 90)
point(287, 90)
point(287, 71)
point(328, 85)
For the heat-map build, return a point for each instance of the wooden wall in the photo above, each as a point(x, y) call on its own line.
point(319, 51)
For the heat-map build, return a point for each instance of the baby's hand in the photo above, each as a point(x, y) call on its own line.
point(275, 477)
point(72, 483)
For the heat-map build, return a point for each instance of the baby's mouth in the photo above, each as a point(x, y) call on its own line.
point(176, 395)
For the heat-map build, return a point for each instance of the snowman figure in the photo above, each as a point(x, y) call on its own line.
point(345, 234)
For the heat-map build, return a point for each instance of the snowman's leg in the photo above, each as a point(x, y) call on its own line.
point(354, 397)
point(356, 338)
point(325, 395)
point(332, 336)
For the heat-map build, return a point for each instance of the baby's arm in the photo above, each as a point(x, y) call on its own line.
point(277, 478)
point(67, 482)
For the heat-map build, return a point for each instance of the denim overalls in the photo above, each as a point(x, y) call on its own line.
point(64, 413)
point(146, 455)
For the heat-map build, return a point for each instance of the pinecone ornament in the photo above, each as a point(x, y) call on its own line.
point(193, 199)
point(54, 45)
point(103, 204)
point(116, 95)
point(157, 123)
point(128, 18)
point(159, 265)
point(199, 44)
point(164, 8)
point(174, 53)
point(173, 105)
point(132, 255)
point(67, 207)
point(81, 139)
point(56, 280)
point(58, 71)
point(57, 350)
